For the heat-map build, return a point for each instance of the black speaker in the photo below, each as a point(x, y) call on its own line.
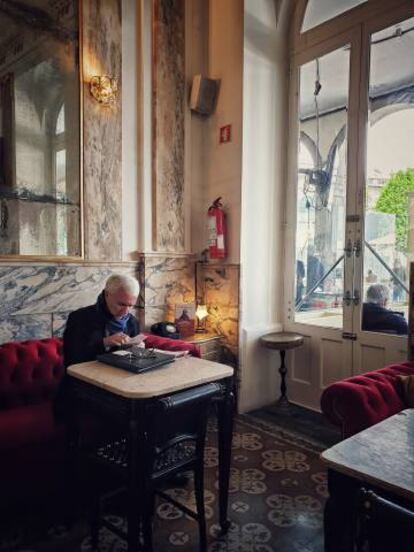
point(204, 93)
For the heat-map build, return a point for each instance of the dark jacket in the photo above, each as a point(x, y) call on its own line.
point(379, 319)
point(85, 330)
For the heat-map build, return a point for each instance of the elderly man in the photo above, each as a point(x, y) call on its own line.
point(376, 317)
point(106, 324)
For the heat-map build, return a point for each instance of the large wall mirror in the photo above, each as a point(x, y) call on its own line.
point(40, 177)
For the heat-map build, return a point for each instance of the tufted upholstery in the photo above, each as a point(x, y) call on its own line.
point(32, 440)
point(30, 372)
point(358, 402)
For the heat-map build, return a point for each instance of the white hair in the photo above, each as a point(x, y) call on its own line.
point(378, 294)
point(122, 281)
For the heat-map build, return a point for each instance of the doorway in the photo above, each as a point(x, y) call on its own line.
point(352, 182)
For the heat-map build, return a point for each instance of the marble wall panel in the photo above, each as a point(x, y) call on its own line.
point(13, 328)
point(102, 156)
point(220, 285)
point(36, 299)
point(224, 320)
point(168, 124)
point(155, 314)
point(168, 280)
point(59, 323)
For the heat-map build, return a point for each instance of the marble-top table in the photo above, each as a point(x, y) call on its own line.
point(181, 374)
point(380, 457)
point(117, 395)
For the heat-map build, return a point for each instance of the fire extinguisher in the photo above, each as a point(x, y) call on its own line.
point(217, 230)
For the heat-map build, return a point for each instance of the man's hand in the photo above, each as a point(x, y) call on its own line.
point(116, 340)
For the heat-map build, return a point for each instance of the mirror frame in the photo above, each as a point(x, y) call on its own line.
point(67, 258)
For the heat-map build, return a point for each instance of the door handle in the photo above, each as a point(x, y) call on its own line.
point(347, 298)
point(356, 250)
point(348, 249)
point(356, 298)
point(349, 335)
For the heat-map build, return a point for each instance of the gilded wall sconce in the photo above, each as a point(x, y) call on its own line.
point(104, 89)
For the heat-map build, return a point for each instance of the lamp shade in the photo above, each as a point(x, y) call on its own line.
point(201, 312)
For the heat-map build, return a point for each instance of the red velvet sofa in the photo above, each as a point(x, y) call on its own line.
point(361, 401)
point(32, 438)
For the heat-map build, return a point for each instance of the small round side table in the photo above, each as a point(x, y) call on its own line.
point(282, 341)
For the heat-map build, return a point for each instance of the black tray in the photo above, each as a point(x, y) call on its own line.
point(134, 363)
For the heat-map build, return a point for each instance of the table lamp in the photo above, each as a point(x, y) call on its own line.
point(201, 314)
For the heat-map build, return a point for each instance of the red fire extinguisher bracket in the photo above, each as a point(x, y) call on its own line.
point(216, 230)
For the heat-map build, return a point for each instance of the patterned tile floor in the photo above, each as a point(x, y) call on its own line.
point(277, 494)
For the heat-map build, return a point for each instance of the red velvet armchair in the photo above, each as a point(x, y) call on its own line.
point(361, 401)
point(32, 438)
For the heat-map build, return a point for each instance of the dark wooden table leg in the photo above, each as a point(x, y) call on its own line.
point(134, 497)
point(340, 513)
point(225, 434)
point(283, 371)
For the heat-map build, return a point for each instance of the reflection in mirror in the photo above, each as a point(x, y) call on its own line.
point(39, 128)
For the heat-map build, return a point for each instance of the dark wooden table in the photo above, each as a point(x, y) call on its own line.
point(282, 341)
point(379, 458)
point(121, 396)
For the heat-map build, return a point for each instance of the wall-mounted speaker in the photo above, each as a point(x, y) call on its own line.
point(204, 93)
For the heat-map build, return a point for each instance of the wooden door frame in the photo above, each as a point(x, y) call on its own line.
point(356, 27)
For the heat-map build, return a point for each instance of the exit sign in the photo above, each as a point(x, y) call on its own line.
point(225, 134)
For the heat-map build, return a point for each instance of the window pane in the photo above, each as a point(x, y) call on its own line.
point(390, 180)
point(319, 11)
point(60, 122)
point(60, 167)
point(321, 191)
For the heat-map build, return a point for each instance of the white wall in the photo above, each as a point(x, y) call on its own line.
point(265, 108)
point(197, 25)
point(221, 163)
point(251, 59)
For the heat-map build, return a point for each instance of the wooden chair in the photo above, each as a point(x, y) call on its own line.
point(175, 442)
point(383, 525)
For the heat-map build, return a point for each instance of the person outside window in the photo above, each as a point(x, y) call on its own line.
point(375, 315)
point(397, 290)
point(315, 270)
point(300, 275)
point(371, 277)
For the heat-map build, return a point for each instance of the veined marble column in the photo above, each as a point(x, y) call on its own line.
point(102, 132)
point(168, 125)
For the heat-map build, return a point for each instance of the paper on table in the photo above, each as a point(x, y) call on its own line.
point(176, 354)
point(136, 341)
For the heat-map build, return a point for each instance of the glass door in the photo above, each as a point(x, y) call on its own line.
point(388, 237)
point(320, 260)
point(321, 190)
point(350, 221)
